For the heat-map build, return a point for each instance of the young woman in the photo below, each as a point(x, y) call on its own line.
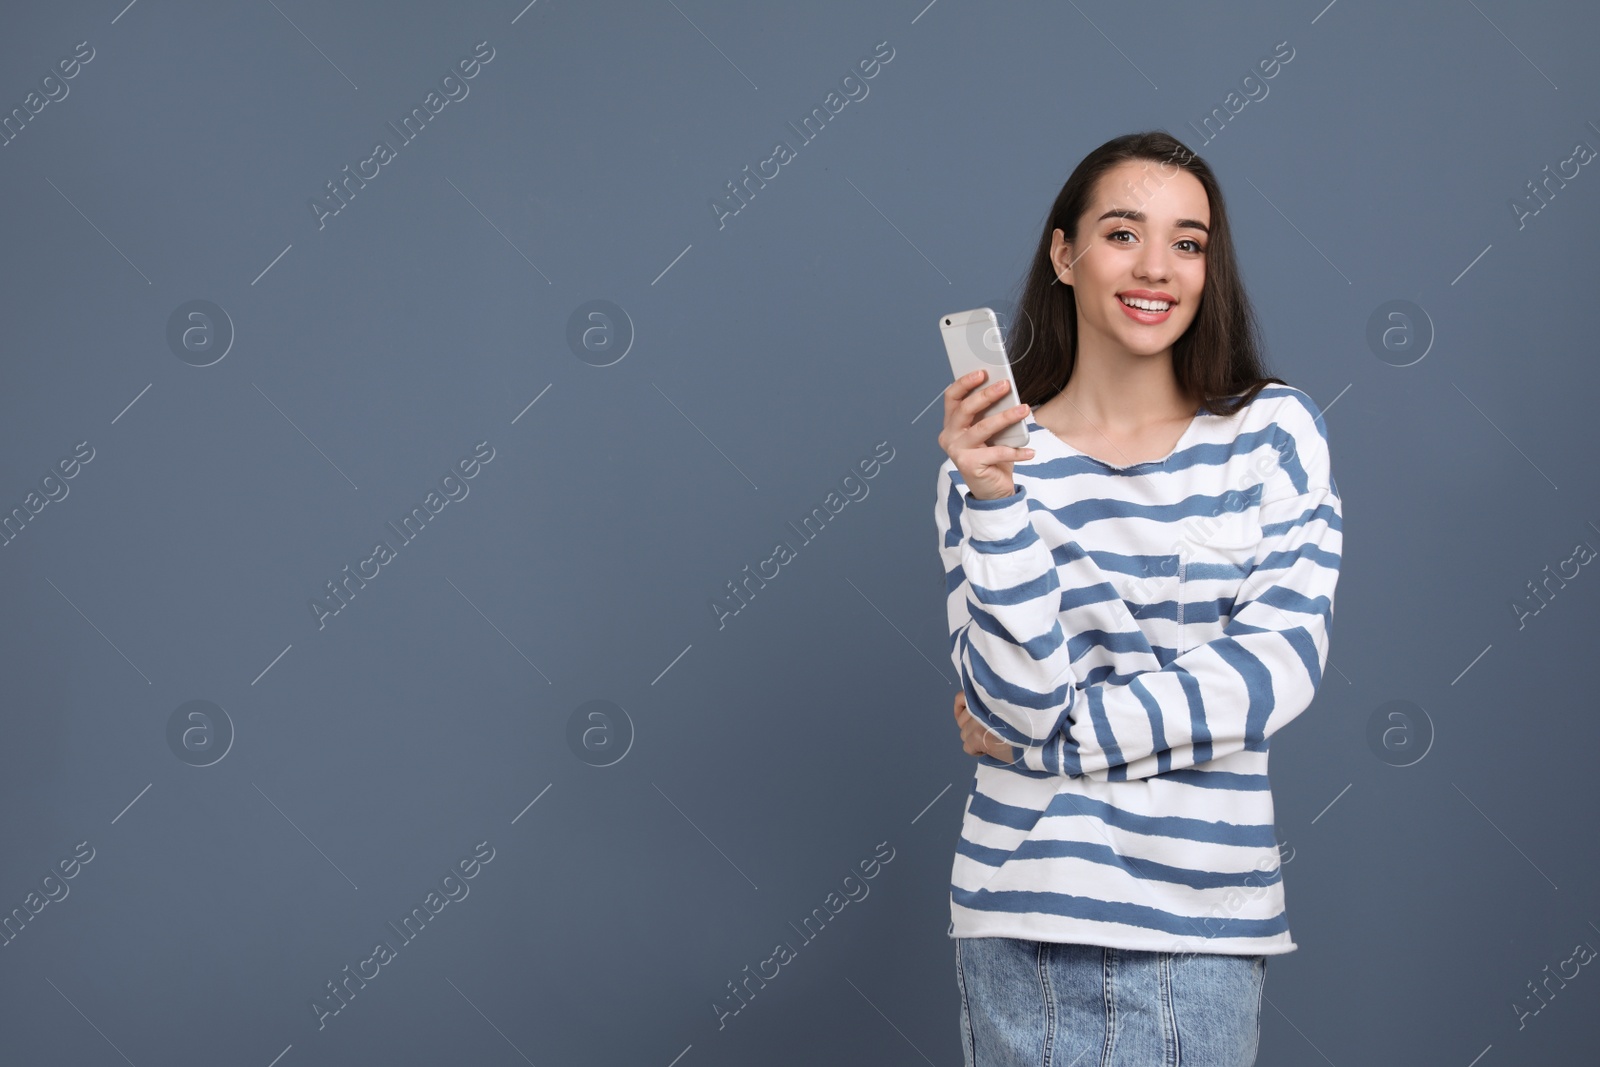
point(1138, 600)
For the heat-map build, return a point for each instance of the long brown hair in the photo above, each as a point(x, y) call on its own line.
point(1217, 359)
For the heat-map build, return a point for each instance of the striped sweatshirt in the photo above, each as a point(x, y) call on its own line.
point(1139, 633)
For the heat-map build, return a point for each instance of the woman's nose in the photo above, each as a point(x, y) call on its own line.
point(1153, 265)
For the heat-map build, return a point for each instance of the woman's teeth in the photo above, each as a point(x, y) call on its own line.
point(1144, 305)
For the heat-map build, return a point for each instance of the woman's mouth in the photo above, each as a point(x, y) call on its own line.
point(1148, 312)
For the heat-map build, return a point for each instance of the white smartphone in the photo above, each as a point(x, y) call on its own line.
point(972, 340)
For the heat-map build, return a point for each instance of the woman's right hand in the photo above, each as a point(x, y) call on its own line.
point(985, 468)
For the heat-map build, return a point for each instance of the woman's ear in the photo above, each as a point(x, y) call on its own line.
point(1061, 256)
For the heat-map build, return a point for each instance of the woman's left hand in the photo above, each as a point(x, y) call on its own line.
point(976, 738)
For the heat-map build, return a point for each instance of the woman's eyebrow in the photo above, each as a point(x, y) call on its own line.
point(1138, 216)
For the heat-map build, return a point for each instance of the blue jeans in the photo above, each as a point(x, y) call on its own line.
point(1044, 1004)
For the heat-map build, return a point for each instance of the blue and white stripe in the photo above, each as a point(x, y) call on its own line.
point(1139, 633)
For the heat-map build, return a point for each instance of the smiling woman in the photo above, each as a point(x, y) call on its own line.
point(1138, 600)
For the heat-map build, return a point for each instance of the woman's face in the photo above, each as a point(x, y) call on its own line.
point(1144, 238)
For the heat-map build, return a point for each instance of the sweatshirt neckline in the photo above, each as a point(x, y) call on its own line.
point(1035, 429)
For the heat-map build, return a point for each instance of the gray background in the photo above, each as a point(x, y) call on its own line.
point(765, 759)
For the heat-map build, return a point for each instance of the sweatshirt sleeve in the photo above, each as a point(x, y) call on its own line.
point(1005, 604)
point(1234, 692)
point(1003, 599)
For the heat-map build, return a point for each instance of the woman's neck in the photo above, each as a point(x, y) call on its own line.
point(1134, 394)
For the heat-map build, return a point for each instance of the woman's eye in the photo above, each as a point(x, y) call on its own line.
point(1194, 246)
